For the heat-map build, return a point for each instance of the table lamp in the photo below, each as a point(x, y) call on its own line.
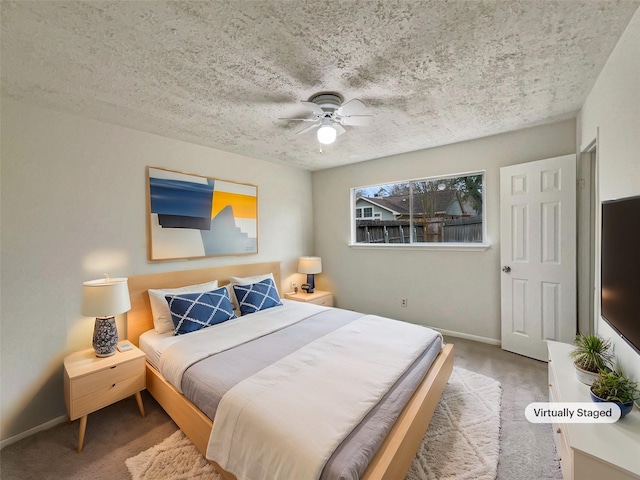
point(103, 299)
point(310, 266)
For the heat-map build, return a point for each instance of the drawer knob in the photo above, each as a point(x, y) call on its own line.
point(114, 366)
point(113, 385)
point(559, 430)
point(551, 384)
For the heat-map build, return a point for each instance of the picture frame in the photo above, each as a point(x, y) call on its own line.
point(195, 216)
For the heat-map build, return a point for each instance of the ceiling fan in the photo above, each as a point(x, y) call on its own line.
point(330, 114)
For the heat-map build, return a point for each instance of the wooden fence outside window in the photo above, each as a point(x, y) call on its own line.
point(438, 230)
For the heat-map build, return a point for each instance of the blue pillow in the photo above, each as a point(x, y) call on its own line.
point(257, 296)
point(193, 311)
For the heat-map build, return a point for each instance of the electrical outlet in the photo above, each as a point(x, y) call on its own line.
point(293, 285)
point(403, 302)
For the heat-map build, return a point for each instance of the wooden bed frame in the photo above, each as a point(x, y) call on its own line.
point(395, 454)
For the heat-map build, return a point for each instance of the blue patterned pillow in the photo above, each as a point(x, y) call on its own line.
point(257, 296)
point(193, 311)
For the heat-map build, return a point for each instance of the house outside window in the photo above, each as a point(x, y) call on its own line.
point(428, 211)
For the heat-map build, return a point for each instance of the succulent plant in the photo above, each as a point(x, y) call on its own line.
point(614, 386)
point(592, 353)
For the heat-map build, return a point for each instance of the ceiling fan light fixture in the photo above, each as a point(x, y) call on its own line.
point(327, 134)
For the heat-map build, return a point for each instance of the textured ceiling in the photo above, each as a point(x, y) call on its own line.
point(222, 73)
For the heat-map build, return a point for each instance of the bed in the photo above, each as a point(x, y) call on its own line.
point(394, 456)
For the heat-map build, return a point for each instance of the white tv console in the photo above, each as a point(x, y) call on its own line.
point(590, 451)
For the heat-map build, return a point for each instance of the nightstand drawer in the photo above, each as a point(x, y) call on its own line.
point(105, 378)
point(106, 395)
point(327, 301)
point(319, 297)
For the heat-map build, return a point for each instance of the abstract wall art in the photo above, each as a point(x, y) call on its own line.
point(192, 216)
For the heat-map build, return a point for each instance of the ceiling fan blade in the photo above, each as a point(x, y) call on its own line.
point(357, 120)
point(300, 119)
point(314, 108)
point(339, 129)
point(308, 129)
point(352, 107)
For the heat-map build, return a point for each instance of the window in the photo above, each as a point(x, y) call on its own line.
point(365, 213)
point(443, 210)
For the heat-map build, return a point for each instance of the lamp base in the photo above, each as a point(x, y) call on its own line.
point(311, 282)
point(105, 337)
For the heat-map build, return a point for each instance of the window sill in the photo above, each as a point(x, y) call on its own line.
point(466, 247)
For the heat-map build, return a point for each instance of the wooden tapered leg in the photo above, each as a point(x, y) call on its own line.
point(83, 428)
point(140, 404)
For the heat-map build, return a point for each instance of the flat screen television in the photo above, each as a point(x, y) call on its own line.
point(620, 268)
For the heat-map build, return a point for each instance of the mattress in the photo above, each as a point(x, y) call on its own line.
point(152, 344)
point(205, 382)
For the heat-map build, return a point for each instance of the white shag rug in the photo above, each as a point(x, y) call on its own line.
point(462, 442)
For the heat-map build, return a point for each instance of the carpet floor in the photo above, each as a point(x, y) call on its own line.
point(117, 432)
point(462, 441)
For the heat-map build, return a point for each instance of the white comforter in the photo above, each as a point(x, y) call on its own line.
point(285, 421)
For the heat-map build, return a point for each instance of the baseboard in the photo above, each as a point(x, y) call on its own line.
point(31, 431)
point(490, 341)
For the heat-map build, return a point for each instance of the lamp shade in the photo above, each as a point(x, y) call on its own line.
point(105, 297)
point(310, 265)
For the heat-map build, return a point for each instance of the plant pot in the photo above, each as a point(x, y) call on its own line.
point(585, 376)
point(624, 407)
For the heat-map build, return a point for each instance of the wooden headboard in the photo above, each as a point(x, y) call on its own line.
point(139, 318)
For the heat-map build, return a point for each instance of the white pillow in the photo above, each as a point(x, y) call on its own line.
point(162, 321)
point(246, 281)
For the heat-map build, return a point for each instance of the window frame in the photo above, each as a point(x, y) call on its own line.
point(467, 246)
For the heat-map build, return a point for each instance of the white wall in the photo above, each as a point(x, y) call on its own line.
point(73, 207)
point(457, 291)
point(612, 111)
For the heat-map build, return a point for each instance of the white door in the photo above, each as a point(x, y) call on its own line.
point(538, 254)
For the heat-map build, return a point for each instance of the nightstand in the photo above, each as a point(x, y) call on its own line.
point(92, 383)
point(318, 297)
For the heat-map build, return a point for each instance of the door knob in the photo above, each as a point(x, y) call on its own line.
point(506, 269)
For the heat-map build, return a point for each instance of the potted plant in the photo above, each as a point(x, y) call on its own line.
point(591, 355)
point(614, 386)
